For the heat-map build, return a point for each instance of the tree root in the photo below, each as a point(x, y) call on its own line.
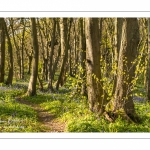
point(132, 118)
point(110, 116)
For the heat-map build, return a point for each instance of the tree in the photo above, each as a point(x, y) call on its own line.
point(33, 78)
point(83, 56)
point(148, 66)
point(65, 37)
point(22, 47)
point(10, 52)
point(50, 77)
point(2, 50)
point(94, 84)
point(123, 97)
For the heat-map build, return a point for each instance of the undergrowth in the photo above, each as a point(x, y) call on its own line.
point(68, 106)
point(16, 117)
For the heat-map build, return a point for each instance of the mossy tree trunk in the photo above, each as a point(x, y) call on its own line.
point(128, 52)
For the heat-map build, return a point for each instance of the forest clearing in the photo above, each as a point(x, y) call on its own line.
point(74, 75)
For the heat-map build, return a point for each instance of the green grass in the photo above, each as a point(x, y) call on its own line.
point(68, 107)
point(74, 111)
point(15, 117)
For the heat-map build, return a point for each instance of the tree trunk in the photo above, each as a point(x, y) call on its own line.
point(58, 54)
point(10, 63)
point(44, 65)
point(94, 85)
point(123, 98)
point(16, 46)
point(50, 74)
point(83, 57)
point(2, 50)
point(22, 50)
point(33, 79)
point(29, 64)
point(65, 37)
point(148, 65)
point(117, 43)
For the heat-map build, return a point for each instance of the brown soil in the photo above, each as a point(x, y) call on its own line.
point(48, 121)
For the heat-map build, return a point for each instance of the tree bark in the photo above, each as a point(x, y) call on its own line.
point(2, 50)
point(58, 54)
point(148, 65)
point(22, 50)
point(16, 46)
point(10, 63)
point(126, 68)
point(83, 56)
point(33, 78)
point(65, 37)
point(94, 85)
point(50, 74)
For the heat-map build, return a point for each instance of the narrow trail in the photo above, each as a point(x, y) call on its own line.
point(47, 120)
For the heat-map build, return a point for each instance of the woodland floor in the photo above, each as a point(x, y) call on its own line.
point(62, 111)
point(48, 121)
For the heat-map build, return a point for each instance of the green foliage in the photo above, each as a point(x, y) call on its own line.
point(68, 106)
point(72, 109)
point(81, 126)
point(94, 124)
point(53, 107)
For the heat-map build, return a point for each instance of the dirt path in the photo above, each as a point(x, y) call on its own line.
point(47, 120)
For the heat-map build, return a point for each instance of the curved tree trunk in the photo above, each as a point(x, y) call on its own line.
point(33, 79)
